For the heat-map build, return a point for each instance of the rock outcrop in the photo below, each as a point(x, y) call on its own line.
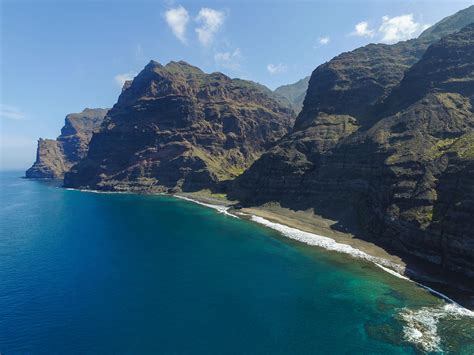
point(177, 128)
point(386, 141)
point(55, 157)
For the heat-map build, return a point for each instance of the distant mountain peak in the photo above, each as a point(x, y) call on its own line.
point(294, 93)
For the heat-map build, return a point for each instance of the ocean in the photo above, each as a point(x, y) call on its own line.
point(97, 273)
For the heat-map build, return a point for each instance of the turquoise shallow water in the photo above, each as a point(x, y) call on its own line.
point(82, 272)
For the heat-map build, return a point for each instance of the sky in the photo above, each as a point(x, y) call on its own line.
point(59, 57)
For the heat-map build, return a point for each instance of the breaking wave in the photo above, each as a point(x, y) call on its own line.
point(327, 243)
point(96, 191)
point(218, 208)
point(421, 325)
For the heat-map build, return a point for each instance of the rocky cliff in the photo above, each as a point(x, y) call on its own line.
point(55, 157)
point(386, 140)
point(177, 128)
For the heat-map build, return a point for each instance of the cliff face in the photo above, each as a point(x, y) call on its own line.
point(387, 145)
point(55, 157)
point(175, 127)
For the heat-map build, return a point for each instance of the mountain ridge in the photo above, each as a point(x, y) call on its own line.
point(181, 129)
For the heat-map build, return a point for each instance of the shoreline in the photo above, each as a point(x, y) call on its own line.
point(314, 230)
point(419, 324)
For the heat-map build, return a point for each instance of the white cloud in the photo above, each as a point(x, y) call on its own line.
point(324, 40)
point(362, 30)
point(276, 68)
point(210, 21)
point(11, 113)
point(178, 18)
point(399, 28)
point(120, 79)
point(229, 60)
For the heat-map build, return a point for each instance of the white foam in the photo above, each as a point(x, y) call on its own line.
point(218, 208)
point(326, 243)
point(421, 325)
point(94, 191)
point(392, 272)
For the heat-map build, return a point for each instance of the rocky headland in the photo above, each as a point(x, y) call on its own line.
point(54, 157)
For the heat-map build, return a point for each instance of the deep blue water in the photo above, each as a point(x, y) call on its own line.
point(82, 272)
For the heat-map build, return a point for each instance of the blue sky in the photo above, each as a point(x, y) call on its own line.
point(59, 57)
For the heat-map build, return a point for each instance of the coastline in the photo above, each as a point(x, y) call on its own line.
point(422, 325)
point(315, 230)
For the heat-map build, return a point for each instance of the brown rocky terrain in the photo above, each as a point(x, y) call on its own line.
point(54, 157)
point(177, 128)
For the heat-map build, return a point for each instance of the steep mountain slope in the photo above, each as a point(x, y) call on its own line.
point(355, 83)
point(394, 155)
point(176, 127)
point(449, 24)
point(294, 93)
point(55, 157)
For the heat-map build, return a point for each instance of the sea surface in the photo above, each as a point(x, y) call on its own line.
point(91, 273)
